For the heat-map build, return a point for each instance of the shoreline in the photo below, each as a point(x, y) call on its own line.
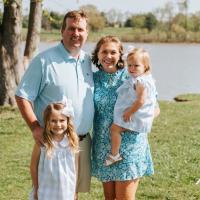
point(137, 42)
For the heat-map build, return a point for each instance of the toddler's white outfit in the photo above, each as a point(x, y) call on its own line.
point(141, 121)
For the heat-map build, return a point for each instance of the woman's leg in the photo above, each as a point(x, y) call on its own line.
point(109, 190)
point(126, 190)
point(115, 138)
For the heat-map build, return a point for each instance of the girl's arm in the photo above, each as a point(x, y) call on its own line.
point(34, 167)
point(141, 95)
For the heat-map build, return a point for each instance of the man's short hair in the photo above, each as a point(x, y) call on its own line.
point(75, 14)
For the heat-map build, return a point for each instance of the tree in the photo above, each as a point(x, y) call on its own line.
point(150, 21)
point(9, 51)
point(116, 18)
point(128, 23)
point(34, 28)
point(56, 20)
point(183, 7)
point(11, 67)
point(96, 20)
point(179, 19)
point(1, 16)
point(51, 20)
point(166, 15)
point(194, 22)
point(136, 21)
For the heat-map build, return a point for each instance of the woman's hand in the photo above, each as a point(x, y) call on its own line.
point(127, 115)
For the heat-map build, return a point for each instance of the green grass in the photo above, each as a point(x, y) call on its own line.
point(125, 34)
point(46, 36)
point(175, 144)
point(55, 35)
point(122, 33)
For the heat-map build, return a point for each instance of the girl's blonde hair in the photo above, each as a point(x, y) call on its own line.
point(48, 135)
point(144, 55)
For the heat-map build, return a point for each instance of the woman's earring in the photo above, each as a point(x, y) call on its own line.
point(98, 64)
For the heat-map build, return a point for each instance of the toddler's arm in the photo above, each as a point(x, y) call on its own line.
point(141, 95)
point(34, 168)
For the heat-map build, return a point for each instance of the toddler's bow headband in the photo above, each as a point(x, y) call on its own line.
point(129, 49)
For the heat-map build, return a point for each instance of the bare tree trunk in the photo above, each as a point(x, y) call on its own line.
point(10, 51)
point(34, 27)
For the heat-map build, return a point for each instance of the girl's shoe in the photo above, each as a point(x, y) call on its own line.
point(112, 159)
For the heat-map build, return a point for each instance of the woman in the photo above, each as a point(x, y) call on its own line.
point(120, 180)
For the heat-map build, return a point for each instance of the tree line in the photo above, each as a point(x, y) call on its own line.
point(164, 19)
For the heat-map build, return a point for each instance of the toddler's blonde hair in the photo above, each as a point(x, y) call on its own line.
point(144, 55)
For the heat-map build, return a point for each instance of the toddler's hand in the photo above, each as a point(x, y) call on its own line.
point(127, 115)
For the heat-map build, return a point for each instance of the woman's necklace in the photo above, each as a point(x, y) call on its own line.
point(111, 79)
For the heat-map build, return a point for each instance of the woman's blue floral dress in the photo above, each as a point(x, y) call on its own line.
point(137, 161)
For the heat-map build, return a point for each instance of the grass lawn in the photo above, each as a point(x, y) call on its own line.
point(125, 34)
point(175, 146)
point(55, 35)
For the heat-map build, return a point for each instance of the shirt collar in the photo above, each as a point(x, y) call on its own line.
point(68, 55)
point(63, 143)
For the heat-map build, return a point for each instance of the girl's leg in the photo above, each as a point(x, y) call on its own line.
point(115, 138)
point(76, 196)
point(109, 190)
point(126, 190)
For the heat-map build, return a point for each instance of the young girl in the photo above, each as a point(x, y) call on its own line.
point(53, 165)
point(136, 102)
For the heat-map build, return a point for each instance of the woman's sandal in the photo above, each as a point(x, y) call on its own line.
point(112, 159)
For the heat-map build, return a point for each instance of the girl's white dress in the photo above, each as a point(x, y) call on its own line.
point(141, 121)
point(57, 175)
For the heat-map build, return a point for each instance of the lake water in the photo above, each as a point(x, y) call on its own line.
point(175, 67)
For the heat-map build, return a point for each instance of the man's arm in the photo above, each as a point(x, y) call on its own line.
point(27, 113)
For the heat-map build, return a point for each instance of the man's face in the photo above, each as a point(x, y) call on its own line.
point(75, 34)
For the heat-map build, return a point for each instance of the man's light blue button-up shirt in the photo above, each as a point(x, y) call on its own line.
point(53, 74)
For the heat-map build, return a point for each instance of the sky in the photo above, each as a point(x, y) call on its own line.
point(133, 6)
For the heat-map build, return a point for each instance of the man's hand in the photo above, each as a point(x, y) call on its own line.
point(26, 109)
point(35, 195)
point(127, 115)
point(37, 133)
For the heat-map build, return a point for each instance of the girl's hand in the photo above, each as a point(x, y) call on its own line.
point(127, 115)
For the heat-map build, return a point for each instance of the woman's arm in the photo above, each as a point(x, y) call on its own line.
point(34, 167)
point(138, 103)
point(156, 110)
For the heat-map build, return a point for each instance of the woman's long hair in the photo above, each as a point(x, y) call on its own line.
point(108, 39)
point(48, 135)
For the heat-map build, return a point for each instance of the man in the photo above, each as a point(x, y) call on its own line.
point(64, 70)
